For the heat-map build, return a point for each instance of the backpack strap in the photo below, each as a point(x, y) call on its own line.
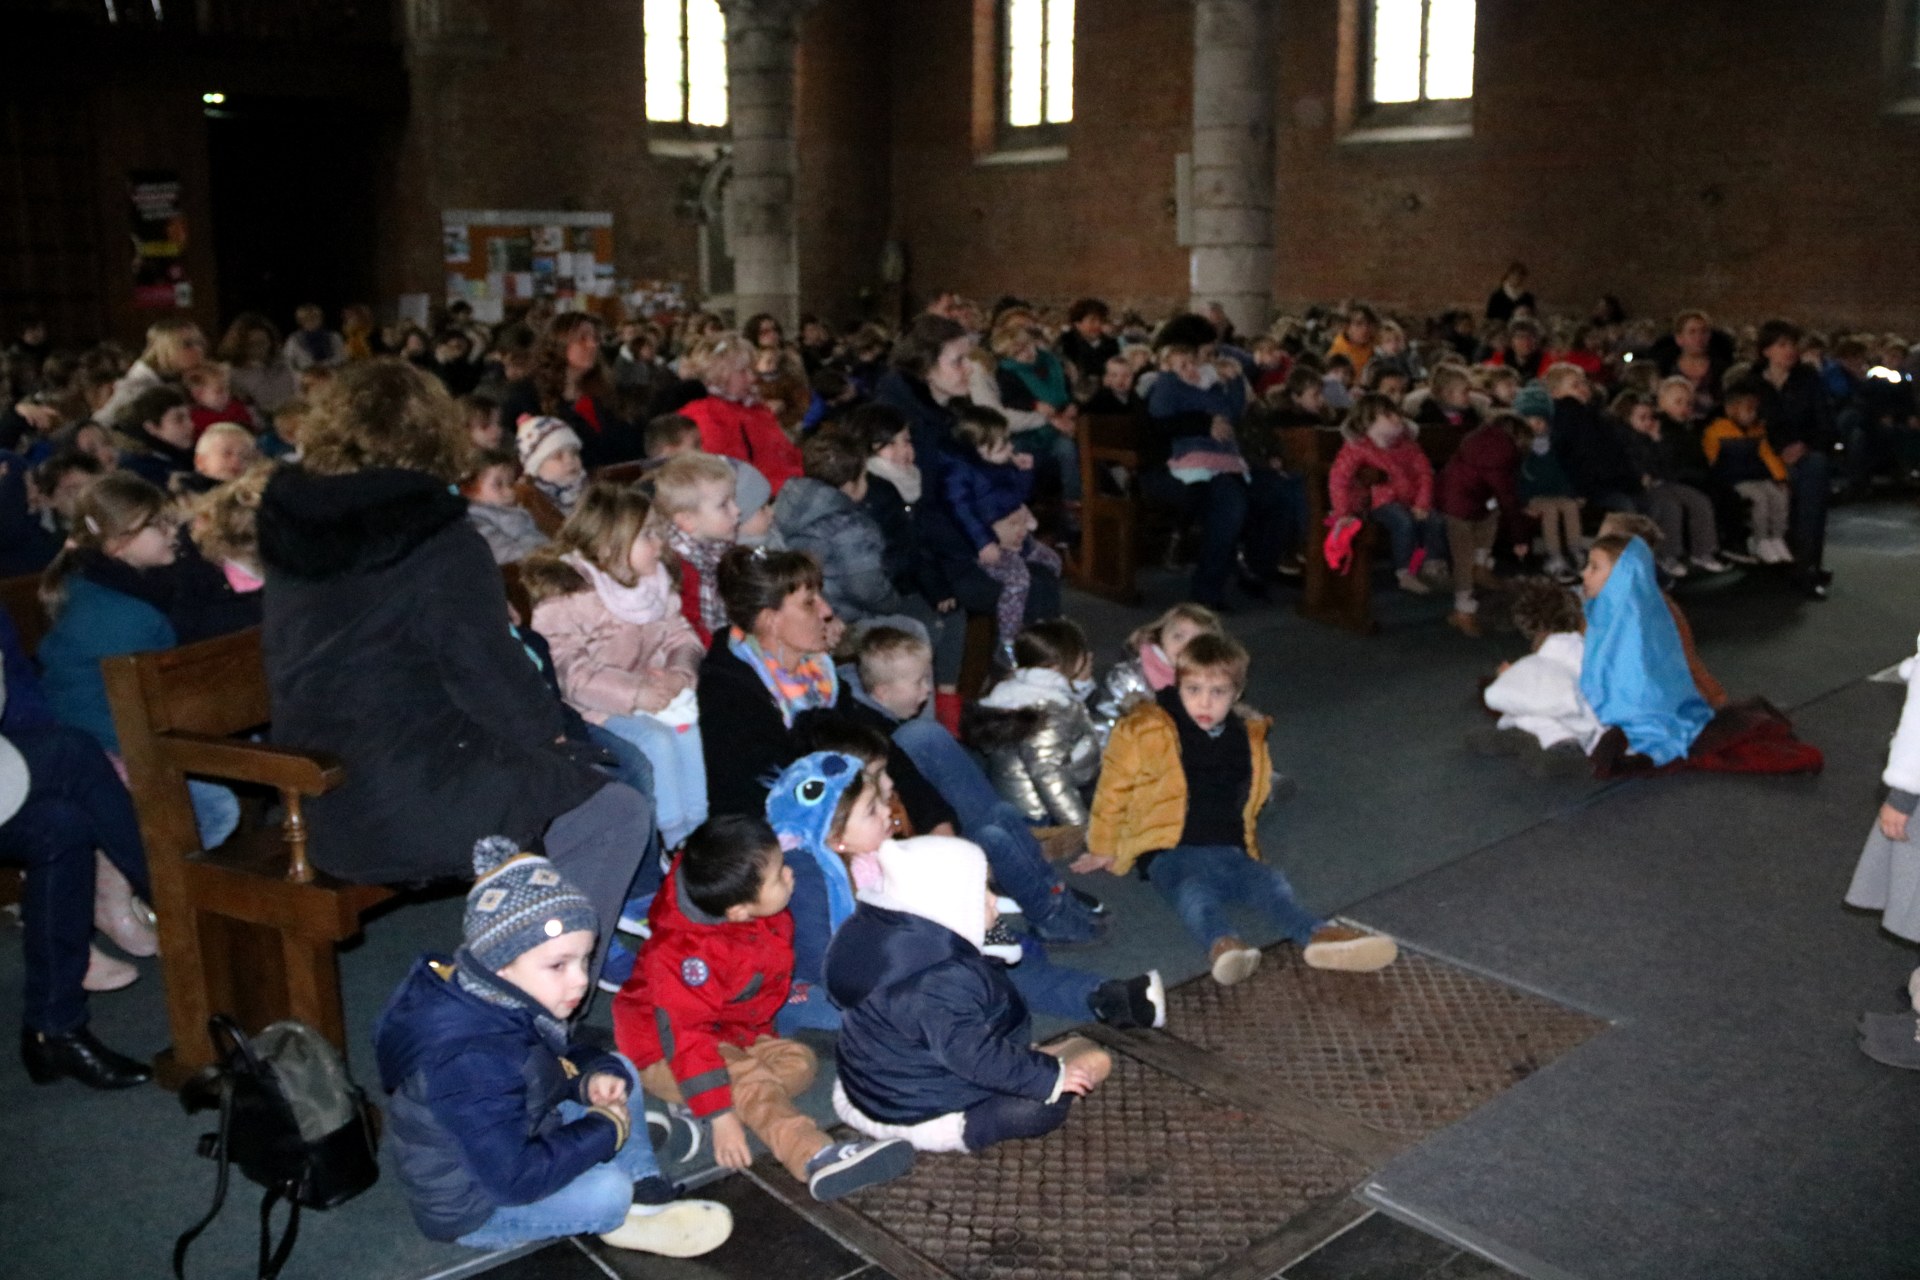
point(192, 1233)
point(270, 1265)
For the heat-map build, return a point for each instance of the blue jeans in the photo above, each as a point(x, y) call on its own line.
point(1013, 855)
point(592, 1204)
point(1049, 988)
point(75, 804)
point(1003, 1117)
point(216, 811)
point(679, 772)
point(1403, 531)
point(808, 1011)
point(1199, 880)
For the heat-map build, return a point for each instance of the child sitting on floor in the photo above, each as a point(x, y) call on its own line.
point(495, 510)
point(502, 1131)
point(697, 1015)
point(1737, 449)
point(694, 493)
point(1034, 727)
point(825, 809)
point(1634, 674)
point(1181, 789)
point(1155, 648)
point(1382, 474)
point(1631, 524)
point(987, 486)
point(626, 658)
point(1543, 717)
point(936, 1045)
point(550, 455)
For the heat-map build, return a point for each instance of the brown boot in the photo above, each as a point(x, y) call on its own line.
point(1233, 961)
point(1350, 950)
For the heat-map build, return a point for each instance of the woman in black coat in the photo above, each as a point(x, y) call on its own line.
point(387, 644)
point(764, 675)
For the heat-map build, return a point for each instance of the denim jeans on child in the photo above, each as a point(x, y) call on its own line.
point(1404, 532)
point(1013, 856)
point(75, 804)
point(1048, 988)
point(1199, 880)
point(1004, 1117)
point(592, 1204)
point(679, 771)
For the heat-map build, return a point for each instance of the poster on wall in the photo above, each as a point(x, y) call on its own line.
point(511, 258)
point(159, 231)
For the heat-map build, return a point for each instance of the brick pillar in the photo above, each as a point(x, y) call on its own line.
point(1233, 94)
point(761, 39)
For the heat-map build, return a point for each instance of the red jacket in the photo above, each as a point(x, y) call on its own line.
point(1409, 476)
point(1485, 466)
point(690, 602)
point(748, 432)
point(234, 410)
point(701, 983)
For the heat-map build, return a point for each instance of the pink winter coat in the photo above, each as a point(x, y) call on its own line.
point(1409, 476)
point(609, 667)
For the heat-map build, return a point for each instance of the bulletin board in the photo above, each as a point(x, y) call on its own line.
point(496, 257)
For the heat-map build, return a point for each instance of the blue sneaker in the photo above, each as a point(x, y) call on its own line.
point(843, 1168)
point(618, 966)
point(1070, 925)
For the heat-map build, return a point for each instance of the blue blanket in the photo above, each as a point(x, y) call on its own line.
point(1635, 675)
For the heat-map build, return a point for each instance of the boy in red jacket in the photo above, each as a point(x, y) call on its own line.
point(697, 1014)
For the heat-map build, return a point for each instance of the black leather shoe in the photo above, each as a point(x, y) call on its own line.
point(79, 1055)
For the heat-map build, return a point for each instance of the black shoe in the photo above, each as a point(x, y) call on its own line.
point(78, 1054)
point(1087, 900)
point(1811, 583)
point(1131, 1003)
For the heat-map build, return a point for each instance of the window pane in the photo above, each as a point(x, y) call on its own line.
point(706, 63)
point(1450, 49)
point(661, 19)
point(1024, 35)
point(1059, 61)
point(1396, 50)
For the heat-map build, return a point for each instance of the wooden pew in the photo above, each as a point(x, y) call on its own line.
point(249, 929)
point(1109, 515)
point(546, 517)
point(1345, 600)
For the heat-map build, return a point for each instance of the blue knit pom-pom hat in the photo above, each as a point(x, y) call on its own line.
point(519, 901)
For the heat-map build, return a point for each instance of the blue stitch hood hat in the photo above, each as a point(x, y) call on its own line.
point(800, 807)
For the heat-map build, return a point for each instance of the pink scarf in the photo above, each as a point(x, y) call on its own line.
point(649, 600)
point(1155, 667)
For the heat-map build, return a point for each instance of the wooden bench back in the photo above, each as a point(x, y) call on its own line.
point(20, 597)
point(1109, 520)
point(546, 517)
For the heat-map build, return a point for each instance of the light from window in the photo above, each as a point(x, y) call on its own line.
point(686, 62)
point(1039, 62)
point(1422, 50)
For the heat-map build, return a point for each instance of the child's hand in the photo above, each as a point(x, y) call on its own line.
point(990, 554)
point(1080, 1079)
point(948, 605)
point(1090, 862)
point(1024, 461)
point(1505, 667)
point(1893, 823)
point(1221, 429)
point(604, 1089)
point(730, 1149)
point(1421, 513)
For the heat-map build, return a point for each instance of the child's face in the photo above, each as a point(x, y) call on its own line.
point(226, 457)
point(175, 427)
point(1539, 426)
point(495, 488)
point(716, 516)
point(1360, 330)
point(91, 440)
point(688, 443)
point(907, 687)
point(1524, 342)
point(776, 890)
point(67, 492)
point(1503, 390)
point(1393, 386)
point(1744, 412)
point(555, 972)
point(1454, 395)
point(1184, 365)
point(1642, 419)
point(1267, 355)
point(148, 547)
point(211, 394)
point(1676, 403)
point(1593, 577)
point(1313, 399)
point(1342, 374)
point(999, 452)
point(757, 524)
point(1208, 696)
point(868, 825)
point(1571, 389)
point(993, 911)
point(485, 431)
point(643, 557)
point(1117, 377)
point(1177, 635)
point(899, 450)
point(562, 466)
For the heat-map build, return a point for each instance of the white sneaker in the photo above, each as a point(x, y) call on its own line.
point(1005, 906)
point(1412, 585)
point(1760, 549)
point(1436, 570)
point(1783, 554)
point(1557, 567)
point(1673, 568)
point(1710, 564)
point(678, 1229)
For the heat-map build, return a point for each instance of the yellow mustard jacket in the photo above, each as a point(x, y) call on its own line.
point(1141, 803)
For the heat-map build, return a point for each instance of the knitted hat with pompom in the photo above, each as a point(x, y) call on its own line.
point(518, 902)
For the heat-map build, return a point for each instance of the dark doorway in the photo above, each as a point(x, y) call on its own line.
point(293, 203)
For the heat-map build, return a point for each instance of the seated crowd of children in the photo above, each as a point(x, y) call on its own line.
point(758, 619)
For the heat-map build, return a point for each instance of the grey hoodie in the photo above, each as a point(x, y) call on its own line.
point(814, 516)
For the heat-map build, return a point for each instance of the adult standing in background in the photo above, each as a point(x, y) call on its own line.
point(1511, 295)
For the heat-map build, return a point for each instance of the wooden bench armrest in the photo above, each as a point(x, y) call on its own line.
point(307, 773)
point(1114, 453)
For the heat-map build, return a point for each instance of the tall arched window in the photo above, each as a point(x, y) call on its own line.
point(686, 63)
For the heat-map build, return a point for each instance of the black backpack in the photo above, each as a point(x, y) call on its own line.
point(292, 1119)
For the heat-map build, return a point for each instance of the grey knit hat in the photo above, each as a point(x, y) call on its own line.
point(519, 901)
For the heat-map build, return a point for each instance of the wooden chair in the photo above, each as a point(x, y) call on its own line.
point(623, 472)
point(249, 929)
point(546, 517)
point(1109, 513)
point(1345, 600)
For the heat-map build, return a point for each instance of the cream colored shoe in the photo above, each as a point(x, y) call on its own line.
point(678, 1229)
point(1350, 950)
point(1233, 961)
point(120, 915)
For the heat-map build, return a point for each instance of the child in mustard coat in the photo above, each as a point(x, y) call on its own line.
point(1190, 828)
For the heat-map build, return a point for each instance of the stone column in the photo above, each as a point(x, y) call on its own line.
point(761, 40)
point(1233, 94)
